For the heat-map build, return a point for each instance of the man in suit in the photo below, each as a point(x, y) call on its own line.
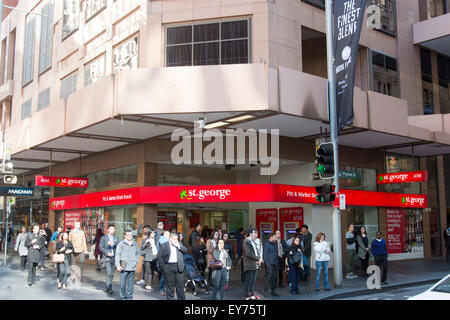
point(35, 243)
point(170, 259)
point(281, 247)
point(108, 245)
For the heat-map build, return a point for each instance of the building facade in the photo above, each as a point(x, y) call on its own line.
point(95, 89)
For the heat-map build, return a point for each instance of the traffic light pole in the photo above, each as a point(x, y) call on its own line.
point(331, 67)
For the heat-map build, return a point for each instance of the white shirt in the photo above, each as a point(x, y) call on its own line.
point(322, 251)
point(173, 254)
point(152, 243)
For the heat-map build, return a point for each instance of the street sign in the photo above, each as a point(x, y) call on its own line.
point(16, 191)
point(341, 201)
point(403, 177)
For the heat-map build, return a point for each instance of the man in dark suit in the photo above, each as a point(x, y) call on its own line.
point(35, 243)
point(170, 259)
point(108, 245)
point(281, 247)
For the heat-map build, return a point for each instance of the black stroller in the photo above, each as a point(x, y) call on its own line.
point(193, 277)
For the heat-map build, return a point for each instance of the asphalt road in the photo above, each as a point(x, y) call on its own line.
point(398, 294)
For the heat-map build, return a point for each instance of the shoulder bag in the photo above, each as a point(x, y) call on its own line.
point(216, 264)
point(58, 258)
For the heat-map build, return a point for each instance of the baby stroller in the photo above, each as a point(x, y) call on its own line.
point(194, 278)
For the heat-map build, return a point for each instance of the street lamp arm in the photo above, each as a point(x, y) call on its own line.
point(27, 11)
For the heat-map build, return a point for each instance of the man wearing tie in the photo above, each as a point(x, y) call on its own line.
point(170, 259)
point(108, 244)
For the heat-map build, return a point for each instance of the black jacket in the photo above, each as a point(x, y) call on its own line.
point(294, 253)
point(230, 249)
point(249, 256)
point(67, 247)
point(307, 239)
point(198, 252)
point(193, 238)
point(270, 253)
point(164, 255)
point(34, 255)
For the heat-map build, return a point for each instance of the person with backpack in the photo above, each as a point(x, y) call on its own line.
point(350, 249)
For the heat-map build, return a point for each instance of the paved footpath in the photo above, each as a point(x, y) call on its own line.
point(402, 274)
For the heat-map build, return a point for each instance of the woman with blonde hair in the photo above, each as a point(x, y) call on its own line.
point(322, 250)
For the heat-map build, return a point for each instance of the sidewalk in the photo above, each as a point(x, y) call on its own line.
point(13, 284)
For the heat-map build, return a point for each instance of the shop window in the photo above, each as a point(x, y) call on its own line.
point(123, 218)
point(226, 42)
point(93, 7)
point(71, 17)
point(388, 15)
point(69, 85)
point(169, 218)
point(26, 109)
point(384, 75)
point(364, 217)
point(113, 177)
point(44, 99)
point(46, 45)
point(316, 3)
point(94, 70)
point(126, 55)
point(28, 53)
point(358, 178)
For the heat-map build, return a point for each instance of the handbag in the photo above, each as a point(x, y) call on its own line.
point(216, 264)
point(46, 253)
point(58, 258)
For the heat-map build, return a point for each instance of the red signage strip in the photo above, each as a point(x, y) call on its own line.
point(66, 182)
point(231, 193)
point(403, 177)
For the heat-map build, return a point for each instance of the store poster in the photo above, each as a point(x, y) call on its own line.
point(235, 222)
point(290, 219)
point(266, 221)
point(395, 230)
point(70, 217)
point(169, 218)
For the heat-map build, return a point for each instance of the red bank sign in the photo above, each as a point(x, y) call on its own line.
point(402, 177)
point(66, 182)
point(230, 193)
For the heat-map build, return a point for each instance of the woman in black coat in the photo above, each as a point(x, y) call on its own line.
point(294, 254)
point(64, 246)
point(98, 253)
point(199, 253)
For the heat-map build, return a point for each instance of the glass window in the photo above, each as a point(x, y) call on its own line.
point(46, 45)
point(126, 55)
point(358, 178)
point(94, 70)
point(384, 75)
point(26, 109)
point(364, 217)
point(69, 85)
point(44, 99)
point(444, 80)
point(93, 7)
point(225, 42)
point(316, 3)
point(123, 218)
point(425, 65)
point(388, 18)
point(71, 17)
point(28, 53)
point(396, 164)
point(113, 177)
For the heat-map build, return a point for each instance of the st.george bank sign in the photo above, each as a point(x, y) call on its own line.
point(230, 193)
point(65, 182)
point(402, 177)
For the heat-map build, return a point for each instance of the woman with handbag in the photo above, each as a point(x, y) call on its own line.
point(211, 244)
point(220, 267)
point(63, 258)
point(294, 256)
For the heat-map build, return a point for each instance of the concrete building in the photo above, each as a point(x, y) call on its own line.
point(95, 88)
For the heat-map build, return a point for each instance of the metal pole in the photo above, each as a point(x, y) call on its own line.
point(31, 215)
point(8, 206)
point(337, 248)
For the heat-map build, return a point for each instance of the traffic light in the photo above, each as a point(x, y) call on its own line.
point(325, 160)
point(325, 193)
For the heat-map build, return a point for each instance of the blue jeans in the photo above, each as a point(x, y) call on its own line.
point(294, 277)
point(126, 285)
point(307, 266)
point(219, 279)
point(161, 283)
point(322, 265)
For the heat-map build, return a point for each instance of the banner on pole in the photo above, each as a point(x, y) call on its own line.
point(347, 22)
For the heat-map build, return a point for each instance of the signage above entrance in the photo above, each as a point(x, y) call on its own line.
point(66, 182)
point(16, 191)
point(231, 193)
point(403, 177)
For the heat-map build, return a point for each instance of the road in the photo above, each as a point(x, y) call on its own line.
point(398, 294)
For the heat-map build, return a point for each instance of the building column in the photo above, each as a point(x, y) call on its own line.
point(442, 201)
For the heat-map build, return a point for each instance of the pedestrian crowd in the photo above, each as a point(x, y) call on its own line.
point(203, 261)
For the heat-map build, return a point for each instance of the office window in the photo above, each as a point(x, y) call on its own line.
point(427, 81)
point(44, 99)
point(93, 7)
point(94, 70)
point(384, 75)
point(388, 15)
point(126, 55)
point(69, 85)
point(444, 81)
point(46, 45)
point(28, 53)
point(226, 42)
point(316, 3)
point(26, 109)
point(425, 65)
point(71, 17)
